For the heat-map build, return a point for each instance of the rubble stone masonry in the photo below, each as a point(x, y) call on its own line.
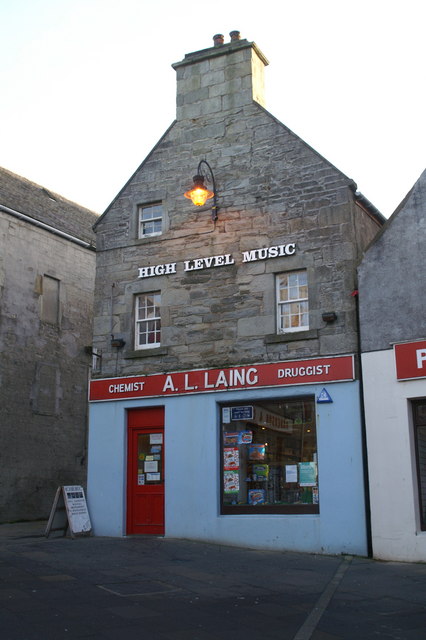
point(273, 190)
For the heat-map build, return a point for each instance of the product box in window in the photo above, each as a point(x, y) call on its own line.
point(231, 437)
point(256, 451)
point(261, 470)
point(256, 496)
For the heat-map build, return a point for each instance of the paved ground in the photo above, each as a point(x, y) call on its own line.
point(164, 589)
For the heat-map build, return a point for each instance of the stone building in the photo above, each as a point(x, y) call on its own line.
point(47, 268)
point(392, 282)
point(227, 407)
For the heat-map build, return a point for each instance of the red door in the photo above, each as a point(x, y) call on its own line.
point(145, 471)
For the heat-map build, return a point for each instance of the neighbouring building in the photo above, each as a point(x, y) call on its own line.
point(392, 285)
point(227, 407)
point(47, 269)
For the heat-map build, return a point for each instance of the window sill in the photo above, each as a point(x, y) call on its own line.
point(148, 239)
point(293, 336)
point(292, 509)
point(146, 353)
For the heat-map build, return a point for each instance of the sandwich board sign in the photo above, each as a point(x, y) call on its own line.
point(69, 510)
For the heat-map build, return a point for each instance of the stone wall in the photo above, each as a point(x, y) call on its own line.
point(273, 189)
point(392, 277)
point(44, 367)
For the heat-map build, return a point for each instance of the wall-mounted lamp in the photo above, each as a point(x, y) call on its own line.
point(329, 317)
point(199, 192)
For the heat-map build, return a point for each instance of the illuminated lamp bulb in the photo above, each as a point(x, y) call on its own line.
point(199, 192)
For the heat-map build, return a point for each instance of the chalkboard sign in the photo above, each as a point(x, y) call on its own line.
point(69, 510)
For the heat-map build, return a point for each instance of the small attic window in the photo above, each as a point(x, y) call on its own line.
point(150, 220)
point(48, 194)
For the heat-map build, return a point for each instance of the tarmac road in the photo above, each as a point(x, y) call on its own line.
point(165, 589)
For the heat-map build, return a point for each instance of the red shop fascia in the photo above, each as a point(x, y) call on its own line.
point(276, 374)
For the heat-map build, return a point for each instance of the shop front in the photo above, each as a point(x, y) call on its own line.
point(224, 404)
point(265, 456)
point(395, 409)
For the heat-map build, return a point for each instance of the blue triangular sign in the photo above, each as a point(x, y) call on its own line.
point(324, 396)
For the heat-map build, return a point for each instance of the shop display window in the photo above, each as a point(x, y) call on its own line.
point(419, 422)
point(269, 457)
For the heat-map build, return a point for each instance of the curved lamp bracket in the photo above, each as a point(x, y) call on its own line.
point(199, 192)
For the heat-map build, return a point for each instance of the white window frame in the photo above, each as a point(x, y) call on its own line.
point(148, 317)
point(157, 216)
point(297, 301)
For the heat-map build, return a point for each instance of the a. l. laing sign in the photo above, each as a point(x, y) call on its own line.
point(295, 372)
point(264, 253)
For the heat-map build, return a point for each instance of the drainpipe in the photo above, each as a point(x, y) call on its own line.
point(363, 434)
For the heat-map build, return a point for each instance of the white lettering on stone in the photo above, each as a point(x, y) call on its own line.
point(157, 270)
point(263, 253)
point(269, 252)
point(205, 263)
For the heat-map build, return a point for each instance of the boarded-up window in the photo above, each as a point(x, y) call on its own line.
point(50, 300)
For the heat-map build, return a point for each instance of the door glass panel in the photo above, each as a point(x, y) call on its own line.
point(150, 459)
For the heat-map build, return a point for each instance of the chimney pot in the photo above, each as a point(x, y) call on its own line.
point(218, 39)
point(235, 35)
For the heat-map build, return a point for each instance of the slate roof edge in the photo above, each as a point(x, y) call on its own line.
point(39, 203)
point(359, 197)
point(47, 227)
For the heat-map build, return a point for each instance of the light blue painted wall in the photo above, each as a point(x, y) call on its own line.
point(192, 473)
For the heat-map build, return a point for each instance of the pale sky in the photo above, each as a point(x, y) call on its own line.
point(87, 87)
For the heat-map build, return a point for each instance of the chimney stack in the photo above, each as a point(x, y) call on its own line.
point(218, 39)
point(222, 77)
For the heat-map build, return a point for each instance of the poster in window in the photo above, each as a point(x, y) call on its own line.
point(291, 472)
point(256, 452)
point(231, 458)
point(231, 482)
point(151, 466)
point(153, 477)
point(307, 474)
